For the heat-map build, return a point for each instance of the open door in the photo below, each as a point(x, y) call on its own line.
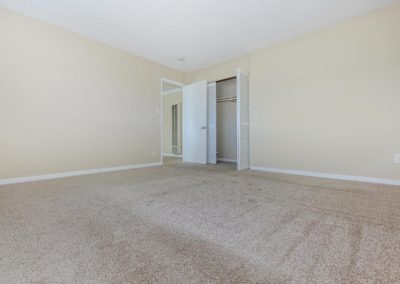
point(212, 123)
point(194, 122)
point(243, 133)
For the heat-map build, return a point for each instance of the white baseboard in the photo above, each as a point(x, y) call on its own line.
point(76, 173)
point(329, 176)
point(226, 160)
point(172, 155)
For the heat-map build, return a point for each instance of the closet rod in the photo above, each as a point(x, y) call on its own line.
point(226, 99)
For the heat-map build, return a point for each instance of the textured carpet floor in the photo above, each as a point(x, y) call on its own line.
point(198, 224)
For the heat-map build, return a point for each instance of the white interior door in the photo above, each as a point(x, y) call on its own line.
point(243, 133)
point(212, 123)
point(194, 123)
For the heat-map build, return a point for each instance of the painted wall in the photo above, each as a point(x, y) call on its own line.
point(220, 71)
point(226, 122)
point(324, 102)
point(327, 101)
point(168, 102)
point(68, 103)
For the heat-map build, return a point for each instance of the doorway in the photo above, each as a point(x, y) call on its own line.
point(227, 121)
point(229, 112)
point(171, 121)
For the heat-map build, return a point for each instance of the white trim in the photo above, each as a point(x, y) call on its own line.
point(172, 155)
point(212, 123)
point(329, 176)
point(240, 123)
point(238, 118)
point(76, 173)
point(226, 160)
point(171, 82)
point(161, 120)
point(173, 91)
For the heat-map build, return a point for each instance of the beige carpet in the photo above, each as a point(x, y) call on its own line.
point(199, 224)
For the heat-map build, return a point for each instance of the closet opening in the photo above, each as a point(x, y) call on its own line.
point(226, 114)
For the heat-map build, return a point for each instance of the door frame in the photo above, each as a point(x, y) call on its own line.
point(239, 120)
point(163, 93)
point(212, 128)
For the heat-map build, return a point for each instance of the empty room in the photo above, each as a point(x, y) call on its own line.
point(199, 141)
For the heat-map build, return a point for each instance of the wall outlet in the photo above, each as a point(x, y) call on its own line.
point(153, 154)
point(397, 159)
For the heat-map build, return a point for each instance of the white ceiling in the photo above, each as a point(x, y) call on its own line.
point(205, 32)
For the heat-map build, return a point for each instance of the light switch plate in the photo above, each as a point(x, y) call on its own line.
point(397, 158)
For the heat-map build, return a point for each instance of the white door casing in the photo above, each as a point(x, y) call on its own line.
point(243, 126)
point(212, 123)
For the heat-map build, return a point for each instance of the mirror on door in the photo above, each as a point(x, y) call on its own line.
point(172, 106)
point(176, 129)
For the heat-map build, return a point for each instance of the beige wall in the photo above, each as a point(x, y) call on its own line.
point(327, 101)
point(220, 71)
point(168, 101)
point(68, 103)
